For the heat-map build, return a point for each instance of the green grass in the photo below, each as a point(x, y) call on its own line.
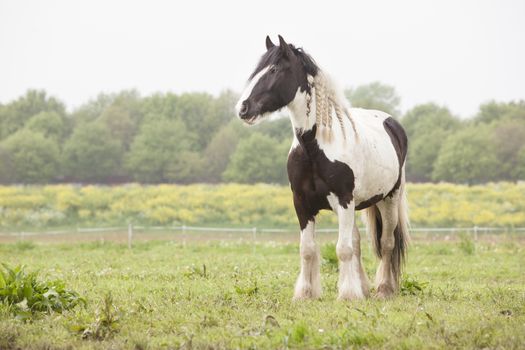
point(225, 295)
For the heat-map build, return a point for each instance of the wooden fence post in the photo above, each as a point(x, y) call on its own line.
point(130, 234)
point(254, 231)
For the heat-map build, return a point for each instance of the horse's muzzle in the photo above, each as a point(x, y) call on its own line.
point(243, 111)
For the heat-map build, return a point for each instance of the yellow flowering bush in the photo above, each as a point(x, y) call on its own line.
point(261, 205)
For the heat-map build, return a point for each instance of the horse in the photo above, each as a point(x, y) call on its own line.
point(355, 163)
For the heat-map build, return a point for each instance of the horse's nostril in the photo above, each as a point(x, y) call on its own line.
point(244, 109)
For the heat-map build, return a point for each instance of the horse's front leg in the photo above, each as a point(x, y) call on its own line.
point(308, 283)
point(353, 283)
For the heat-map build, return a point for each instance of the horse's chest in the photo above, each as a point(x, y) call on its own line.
point(313, 177)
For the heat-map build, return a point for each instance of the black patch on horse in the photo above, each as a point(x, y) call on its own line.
point(369, 202)
point(309, 190)
point(400, 142)
point(313, 176)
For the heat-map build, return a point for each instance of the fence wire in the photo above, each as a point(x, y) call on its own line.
point(131, 233)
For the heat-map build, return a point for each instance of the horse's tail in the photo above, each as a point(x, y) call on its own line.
point(401, 233)
point(374, 225)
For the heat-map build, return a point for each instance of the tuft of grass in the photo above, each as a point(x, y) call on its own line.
point(8, 336)
point(24, 245)
point(298, 333)
point(353, 337)
point(106, 323)
point(193, 271)
point(27, 296)
point(466, 244)
point(411, 286)
point(247, 290)
point(329, 255)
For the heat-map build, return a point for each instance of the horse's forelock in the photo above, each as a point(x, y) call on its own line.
point(275, 54)
point(272, 56)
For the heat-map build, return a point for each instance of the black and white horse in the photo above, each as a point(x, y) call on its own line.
point(343, 159)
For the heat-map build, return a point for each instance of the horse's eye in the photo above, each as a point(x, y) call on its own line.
point(273, 69)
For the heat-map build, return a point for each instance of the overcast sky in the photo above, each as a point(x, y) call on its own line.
point(457, 53)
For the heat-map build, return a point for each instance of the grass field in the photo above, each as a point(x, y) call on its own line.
point(456, 294)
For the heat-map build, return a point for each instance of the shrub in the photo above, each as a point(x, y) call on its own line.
point(27, 296)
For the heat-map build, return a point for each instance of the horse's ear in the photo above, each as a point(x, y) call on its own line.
point(269, 43)
point(284, 46)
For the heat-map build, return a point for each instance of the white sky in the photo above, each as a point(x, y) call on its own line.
point(459, 53)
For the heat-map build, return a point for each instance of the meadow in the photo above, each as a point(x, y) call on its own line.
point(230, 205)
point(232, 294)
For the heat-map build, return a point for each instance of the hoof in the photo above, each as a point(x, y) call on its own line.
point(306, 291)
point(353, 293)
point(349, 296)
point(357, 291)
point(384, 291)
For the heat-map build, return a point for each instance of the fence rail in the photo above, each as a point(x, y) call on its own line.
point(255, 232)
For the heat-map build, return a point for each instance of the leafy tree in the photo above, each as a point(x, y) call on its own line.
point(467, 157)
point(118, 121)
point(492, 111)
point(520, 165)
point(219, 151)
point(92, 154)
point(375, 96)
point(224, 107)
point(91, 110)
point(131, 101)
point(202, 114)
point(155, 154)
point(160, 106)
point(422, 154)
point(7, 172)
point(424, 118)
point(187, 167)
point(258, 158)
point(50, 124)
point(509, 140)
point(427, 127)
point(196, 110)
point(29, 157)
point(279, 129)
point(126, 107)
point(14, 115)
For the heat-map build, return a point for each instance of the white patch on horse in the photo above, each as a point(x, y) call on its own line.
point(372, 158)
point(298, 111)
point(248, 90)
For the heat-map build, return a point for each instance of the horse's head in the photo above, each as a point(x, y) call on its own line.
point(281, 71)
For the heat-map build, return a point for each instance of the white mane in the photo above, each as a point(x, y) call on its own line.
point(328, 100)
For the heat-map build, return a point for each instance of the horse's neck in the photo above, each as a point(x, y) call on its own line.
point(299, 116)
point(319, 108)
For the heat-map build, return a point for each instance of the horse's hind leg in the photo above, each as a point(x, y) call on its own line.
point(387, 276)
point(353, 283)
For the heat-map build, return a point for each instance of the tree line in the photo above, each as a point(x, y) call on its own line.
point(195, 137)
